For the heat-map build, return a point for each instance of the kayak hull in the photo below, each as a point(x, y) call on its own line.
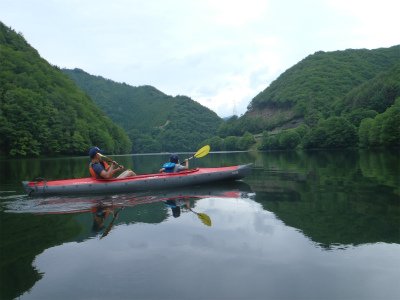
point(136, 183)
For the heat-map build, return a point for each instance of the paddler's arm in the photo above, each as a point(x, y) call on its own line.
point(186, 164)
point(111, 171)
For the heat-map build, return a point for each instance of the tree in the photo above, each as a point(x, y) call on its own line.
point(215, 143)
point(355, 117)
point(289, 139)
point(315, 138)
point(363, 132)
point(302, 130)
point(339, 133)
point(230, 143)
point(245, 141)
point(375, 131)
point(390, 131)
point(268, 142)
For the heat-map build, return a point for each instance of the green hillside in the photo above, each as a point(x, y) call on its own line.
point(323, 78)
point(338, 99)
point(42, 112)
point(154, 121)
point(376, 94)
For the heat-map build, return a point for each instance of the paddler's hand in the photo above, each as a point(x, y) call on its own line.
point(120, 168)
point(114, 163)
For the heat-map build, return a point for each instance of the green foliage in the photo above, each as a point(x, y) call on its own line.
point(143, 143)
point(356, 116)
point(230, 143)
point(245, 141)
point(285, 140)
point(165, 123)
point(44, 113)
point(363, 132)
point(335, 132)
point(314, 138)
point(289, 139)
point(228, 128)
point(204, 143)
point(383, 130)
point(215, 143)
point(302, 130)
point(325, 76)
point(355, 84)
point(238, 126)
point(390, 131)
point(376, 94)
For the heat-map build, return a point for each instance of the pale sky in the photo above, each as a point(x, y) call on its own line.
point(217, 52)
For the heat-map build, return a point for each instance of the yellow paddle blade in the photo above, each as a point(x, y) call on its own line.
point(203, 151)
point(205, 219)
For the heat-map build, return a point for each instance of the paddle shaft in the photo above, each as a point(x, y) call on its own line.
point(112, 223)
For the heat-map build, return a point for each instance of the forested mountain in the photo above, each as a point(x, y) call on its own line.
point(323, 78)
point(340, 99)
point(154, 121)
point(330, 93)
point(42, 112)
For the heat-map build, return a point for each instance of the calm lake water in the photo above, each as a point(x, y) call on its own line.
point(302, 225)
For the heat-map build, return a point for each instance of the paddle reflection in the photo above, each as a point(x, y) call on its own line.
point(179, 202)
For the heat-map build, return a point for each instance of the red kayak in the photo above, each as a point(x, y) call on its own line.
point(135, 183)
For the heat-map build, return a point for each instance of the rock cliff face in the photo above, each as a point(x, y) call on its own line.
point(272, 114)
point(281, 118)
point(291, 125)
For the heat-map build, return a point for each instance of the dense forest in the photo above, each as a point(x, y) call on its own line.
point(337, 99)
point(42, 112)
point(154, 121)
point(334, 99)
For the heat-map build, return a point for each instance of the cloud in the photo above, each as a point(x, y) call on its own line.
point(237, 13)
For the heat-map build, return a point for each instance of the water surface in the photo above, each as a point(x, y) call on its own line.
point(302, 225)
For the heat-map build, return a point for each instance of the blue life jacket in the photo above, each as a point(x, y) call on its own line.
point(169, 167)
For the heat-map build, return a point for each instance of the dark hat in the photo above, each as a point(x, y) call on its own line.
point(94, 151)
point(174, 158)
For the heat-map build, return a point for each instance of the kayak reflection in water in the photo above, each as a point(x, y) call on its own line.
point(176, 205)
point(100, 213)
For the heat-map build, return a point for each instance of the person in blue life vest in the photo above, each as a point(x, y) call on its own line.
point(176, 205)
point(173, 165)
point(101, 170)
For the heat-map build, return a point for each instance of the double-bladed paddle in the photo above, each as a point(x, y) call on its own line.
point(202, 152)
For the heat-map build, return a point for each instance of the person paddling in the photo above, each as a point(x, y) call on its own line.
point(101, 170)
point(173, 165)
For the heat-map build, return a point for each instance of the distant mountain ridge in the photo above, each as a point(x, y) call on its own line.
point(154, 121)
